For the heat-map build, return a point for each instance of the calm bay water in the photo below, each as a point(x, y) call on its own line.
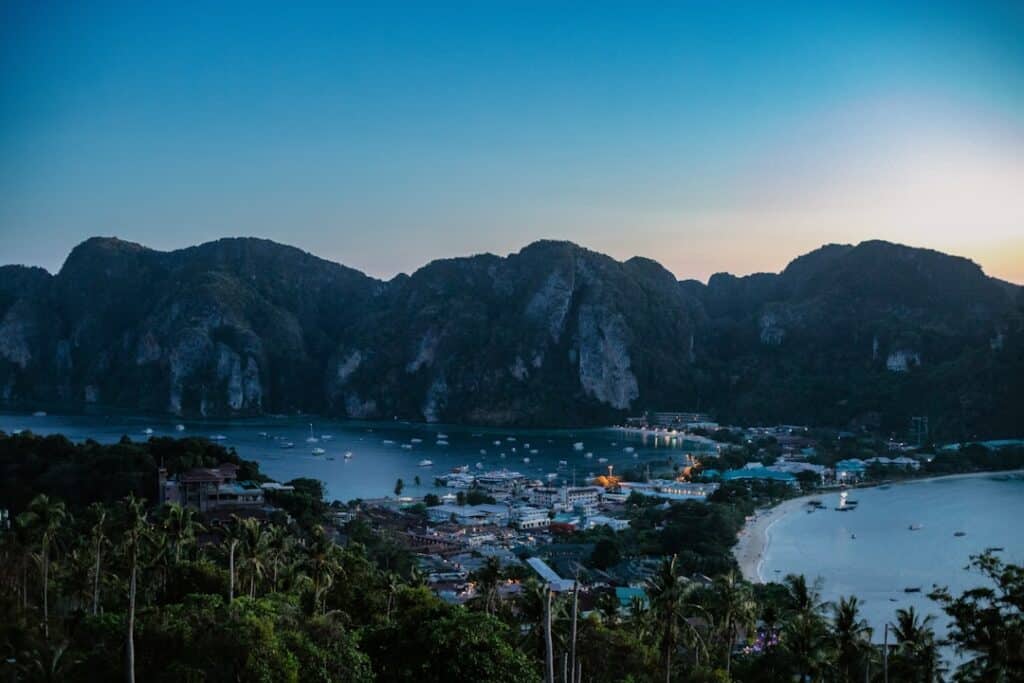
point(872, 553)
point(376, 464)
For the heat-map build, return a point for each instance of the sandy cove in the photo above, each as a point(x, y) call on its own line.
point(753, 540)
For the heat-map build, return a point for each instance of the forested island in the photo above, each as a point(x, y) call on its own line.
point(98, 583)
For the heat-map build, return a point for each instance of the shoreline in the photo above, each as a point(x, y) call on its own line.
point(755, 537)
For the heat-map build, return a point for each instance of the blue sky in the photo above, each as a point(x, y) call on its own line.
point(708, 135)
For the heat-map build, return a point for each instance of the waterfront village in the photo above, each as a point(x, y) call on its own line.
point(559, 530)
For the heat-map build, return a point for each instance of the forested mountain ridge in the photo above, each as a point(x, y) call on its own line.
point(552, 335)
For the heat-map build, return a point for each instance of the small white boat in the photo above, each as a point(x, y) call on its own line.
point(218, 437)
point(588, 455)
point(497, 443)
point(318, 451)
point(442, 437)
point(563, 463)
point(387, 442)
point(311, 438)
point(510, 438)
point(551, 476)
point(526, 445)
point(326, 437)
point(916, 527)
point(287, 444)
point(602, 460)
point(426, 463)
point(39, 413)
point(442, 443)
point(147, 431)
point(636, 455)
point(348, 455)
point(533, 451)
point(526, 460)
point(407, 446)
point(629, 449)
point(179, 427)
point(415, 440)
point(479, 465)
point(483, 451)
point(578, 446)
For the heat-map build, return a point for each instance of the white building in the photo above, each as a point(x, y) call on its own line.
point(528, 517)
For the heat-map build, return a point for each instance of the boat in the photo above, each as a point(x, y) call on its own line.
point(318, 451)
point(311, 438)
point(479, 465)
point(483, 451)
point(534, 451)
point(916, 527)
point(912, 590)
point(563, 463)
point(147, 431)
point(994, 549)
point(218, 437)
point(287, 444)
point(526, 460)
point(415, 440)
point(629, 449)
point(602, 460)
point(407, 446)
point(330, 457)
point(497, 443)
point(589, 455)
point(39, 413)
point(387, 442)
point(551, 476)
point(442, 442)
point(960, 533)
point(348, 455)
point(578, 446)
point(426, 463)
point(460, 469)
point(326, 437)
point(442, 437)
point(179, 427)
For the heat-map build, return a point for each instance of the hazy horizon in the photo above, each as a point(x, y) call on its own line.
point(502, 254)
point(707, 137)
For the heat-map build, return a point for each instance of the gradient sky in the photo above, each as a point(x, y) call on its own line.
point(710, 136)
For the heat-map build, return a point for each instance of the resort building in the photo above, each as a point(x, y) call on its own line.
point(209, 488)
point(759, 473)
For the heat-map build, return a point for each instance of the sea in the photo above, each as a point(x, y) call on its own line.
point(916, 535)
point(383, 452)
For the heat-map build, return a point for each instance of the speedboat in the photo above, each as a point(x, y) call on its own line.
point(348, 455)
point(426, 463)
point(318, 451)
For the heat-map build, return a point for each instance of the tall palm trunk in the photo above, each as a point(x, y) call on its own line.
point(575, 611)
point(46, 588)
point(730, 639)
point(548, 643)
point(231, 571)
point(129, 668)
point(96, 582)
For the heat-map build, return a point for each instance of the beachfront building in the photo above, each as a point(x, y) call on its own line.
point(852, 469)
point(469, 515)
point(565, 497)
point(759, 474)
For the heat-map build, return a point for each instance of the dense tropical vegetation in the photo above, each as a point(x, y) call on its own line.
point(97, 587)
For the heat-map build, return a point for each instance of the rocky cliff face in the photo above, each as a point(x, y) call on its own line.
point(554, 334)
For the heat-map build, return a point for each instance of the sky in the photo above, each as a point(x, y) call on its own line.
point(710, 136)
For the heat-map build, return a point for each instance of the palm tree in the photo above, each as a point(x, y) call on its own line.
point(279, 547)
point(253, 544)
point(668, 592)
point(392, 583)
point(135, 528)
point(233, 536)
point(488, 577)
point(322, 563)
point(805, 631)
point(916, 648)
point(45, 517)
point(98, 540)
point(736, 609)
point(181, 527)
point(851, 638)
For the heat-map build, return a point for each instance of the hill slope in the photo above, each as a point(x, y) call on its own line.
point(554, 334)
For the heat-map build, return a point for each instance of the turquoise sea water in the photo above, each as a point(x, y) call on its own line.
point(375, 464)
point(872, 552)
